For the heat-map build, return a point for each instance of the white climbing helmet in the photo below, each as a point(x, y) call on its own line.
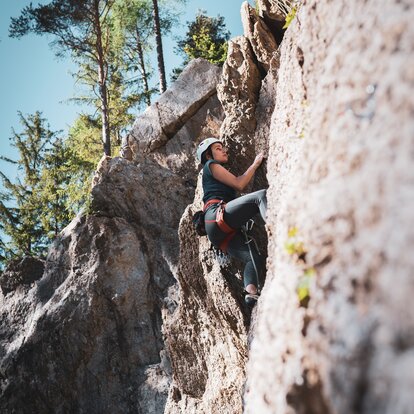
point(203, 145)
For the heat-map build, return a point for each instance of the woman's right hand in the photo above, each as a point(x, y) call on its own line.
point(258, 160)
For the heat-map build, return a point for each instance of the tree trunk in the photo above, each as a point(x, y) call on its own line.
point(103, 93)
point(143, 69)
point(158, 41)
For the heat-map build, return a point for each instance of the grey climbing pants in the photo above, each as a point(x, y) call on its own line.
point(237, 212)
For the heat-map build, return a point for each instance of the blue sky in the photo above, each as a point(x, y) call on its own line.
point(32, 78)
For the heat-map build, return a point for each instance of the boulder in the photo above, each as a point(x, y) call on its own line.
point(21, 272)
point(333, 330)
point(260, 37)
point(163, 119)
point(238, 92)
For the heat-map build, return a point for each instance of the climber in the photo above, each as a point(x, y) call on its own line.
point(225, 215)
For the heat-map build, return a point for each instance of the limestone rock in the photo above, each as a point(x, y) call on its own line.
point(21, 272)
point(272, 15)
point(271, 9)
point(132, 314)
point(238, 92)
point(341, 178)
point(206, 336)
point(177, 154)
point(264, 110)
point(86, 337)
point(260, 37)
point(80, 340)
point(163, 119)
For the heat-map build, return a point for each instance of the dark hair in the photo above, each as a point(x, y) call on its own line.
point(204, 155)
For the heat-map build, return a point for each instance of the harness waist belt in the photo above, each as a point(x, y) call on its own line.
point(223, 226)
point(211, 202)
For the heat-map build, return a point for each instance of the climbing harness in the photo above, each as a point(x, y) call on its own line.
point(220, 253)
point(223, 226)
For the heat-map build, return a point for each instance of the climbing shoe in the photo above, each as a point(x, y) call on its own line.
point(251, 299)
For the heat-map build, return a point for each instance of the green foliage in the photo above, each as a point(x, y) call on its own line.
point(204, 46)
point(206, 38)
point(304, 284)
point(26, 216)
point(55, 183)
point(133, 28)
point(293, 244)
point(84, 29)
point(290, 16)
point(83, 152)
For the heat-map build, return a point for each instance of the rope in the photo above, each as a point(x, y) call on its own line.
point(245, 229)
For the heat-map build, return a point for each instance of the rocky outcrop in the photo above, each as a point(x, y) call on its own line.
point(162, 120)
point(132, 312)
point(208, 357)
point(238, 91)
point(21, 272)
point(334, 324)
point(206, 336)
point(86, 336)
point(260, 37)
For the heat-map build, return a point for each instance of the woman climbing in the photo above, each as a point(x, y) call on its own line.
point(225, 214)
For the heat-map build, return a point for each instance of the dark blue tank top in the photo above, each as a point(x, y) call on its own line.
point(213, 188)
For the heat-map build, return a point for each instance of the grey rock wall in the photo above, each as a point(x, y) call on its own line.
point(133, 314)
point(341, 177)
point(85, 336)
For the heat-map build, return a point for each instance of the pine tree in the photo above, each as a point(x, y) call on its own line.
point(80, 27)
point(134, 24)
point(206, 38)
point(158, 41)
point(20, 210)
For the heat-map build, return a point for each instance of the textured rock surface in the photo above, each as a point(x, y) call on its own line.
point(238, 92)
point(273, 17)
point(87, 336)
point(270, 8)
point(21, 272)
point(162, 120)
point(340, 171)
point(260, 37)
point(81, 338)
point(132, 306)
point(206, 335)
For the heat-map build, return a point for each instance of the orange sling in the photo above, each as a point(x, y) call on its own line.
point(223, 226)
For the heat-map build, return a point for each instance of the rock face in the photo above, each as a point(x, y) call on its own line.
point(86, 336)
point(133, 314)
point(339, 171)
point(238, 91)
point(162, 120)
point(21, 272)
point(206, 335)
point(260, 37)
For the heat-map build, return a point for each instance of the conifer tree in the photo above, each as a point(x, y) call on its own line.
point(158, 41)
point(206, 38)
point(134, 23)
point(20, 210)
point(82, 28)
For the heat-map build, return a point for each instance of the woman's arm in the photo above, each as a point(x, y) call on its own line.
point(238, 183)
